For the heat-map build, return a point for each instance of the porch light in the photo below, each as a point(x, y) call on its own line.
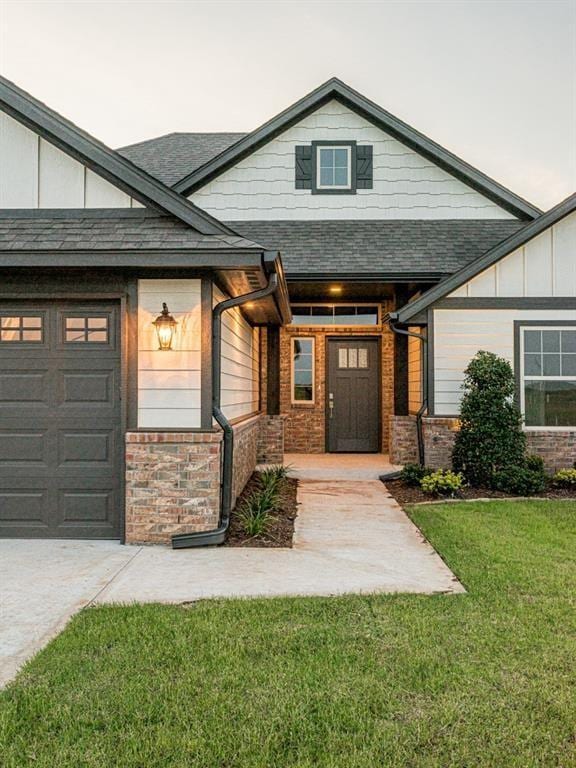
point(165, 325)
point(335, 289)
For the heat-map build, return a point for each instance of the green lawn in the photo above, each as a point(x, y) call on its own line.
point(483, 679)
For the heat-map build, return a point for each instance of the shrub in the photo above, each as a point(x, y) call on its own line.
point(535, 463)
point(254, 514)
point(490, 436)
point(565, 478)
point(443, 482)
point(412, 474)
point(519, 480)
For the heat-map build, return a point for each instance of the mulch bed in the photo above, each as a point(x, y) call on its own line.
point(405, 494)
point(281, 529)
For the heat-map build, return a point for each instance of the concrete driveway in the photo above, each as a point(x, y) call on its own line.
point(350, 537)
point(42, 584)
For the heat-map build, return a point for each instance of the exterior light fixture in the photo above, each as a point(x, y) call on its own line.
point(335, 289)
point(165, 325)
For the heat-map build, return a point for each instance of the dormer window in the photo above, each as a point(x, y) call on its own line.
point(334, 167)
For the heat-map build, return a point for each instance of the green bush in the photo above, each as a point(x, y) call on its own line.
point(565, 478)
point(490, 436)
point(412, 474)
point(254, 513)
point(535, 463)
point(519, 481)
point(443, 482)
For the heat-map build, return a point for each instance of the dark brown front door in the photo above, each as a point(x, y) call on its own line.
point(60, 420)
point(353, 395)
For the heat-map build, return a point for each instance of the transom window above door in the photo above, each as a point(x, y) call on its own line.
point(335, 314)
point(334, 168)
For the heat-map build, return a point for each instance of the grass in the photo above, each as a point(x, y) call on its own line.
point(483, 679)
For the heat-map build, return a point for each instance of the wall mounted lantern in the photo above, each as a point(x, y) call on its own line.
point(165, 326)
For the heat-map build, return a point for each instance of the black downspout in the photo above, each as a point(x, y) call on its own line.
point(424, 407)
point(217, 536)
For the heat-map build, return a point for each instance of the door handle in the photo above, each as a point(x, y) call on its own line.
point(331, 404)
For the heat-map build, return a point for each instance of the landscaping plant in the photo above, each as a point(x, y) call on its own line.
point(490, 436)
point(443, 482)
point(412, 474)
point(519, 481)
point(565, 478)
point(255, 513)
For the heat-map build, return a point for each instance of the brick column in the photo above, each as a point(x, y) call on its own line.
point(172, 484)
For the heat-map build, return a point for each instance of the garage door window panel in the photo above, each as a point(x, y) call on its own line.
point(86, 329)
point(21, 329)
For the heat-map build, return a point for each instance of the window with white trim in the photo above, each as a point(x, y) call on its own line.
point(303, 370)
point(334, 167)
point(548, 376)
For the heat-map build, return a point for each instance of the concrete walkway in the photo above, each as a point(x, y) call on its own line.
point(350, 537)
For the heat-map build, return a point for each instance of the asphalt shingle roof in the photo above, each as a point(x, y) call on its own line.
point(169, 158)
point(377, 247)
point(89, 232)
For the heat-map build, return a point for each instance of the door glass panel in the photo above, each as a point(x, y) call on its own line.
point(352, 358)
point(363, 358)
point(342, 358)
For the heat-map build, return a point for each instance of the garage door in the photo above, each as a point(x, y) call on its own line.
point(60, 421)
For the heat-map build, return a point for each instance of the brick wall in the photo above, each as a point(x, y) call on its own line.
point(403, 440)
point(173, 480)
point(304, 425)
point(271, 440)
point(172, 484)
point(246, 435)
point(557, 448)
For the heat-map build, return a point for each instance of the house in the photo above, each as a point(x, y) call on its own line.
point(175, 311)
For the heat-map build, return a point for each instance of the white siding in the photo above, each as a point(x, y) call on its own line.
point(544, 266)
point(460, 333)
point(240, 363)
point(36, 174)
point(406, 185)
point(169, 381)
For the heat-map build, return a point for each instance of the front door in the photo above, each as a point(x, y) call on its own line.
point(353, 395)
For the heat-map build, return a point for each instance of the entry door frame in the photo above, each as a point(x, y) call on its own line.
point(351, 337)
point(128, 360)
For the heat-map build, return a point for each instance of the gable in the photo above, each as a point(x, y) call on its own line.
point(36, 174)
point(543, 266)
point(406, 185)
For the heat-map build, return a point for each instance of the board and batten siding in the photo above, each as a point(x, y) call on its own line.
point(405, 184)
point(414, 372)
point(544, 266)
point(240, 361)
point(36, 174)
point(460, 333)
point(169, 380)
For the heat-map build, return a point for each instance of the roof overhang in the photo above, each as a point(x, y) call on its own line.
point(238, 272)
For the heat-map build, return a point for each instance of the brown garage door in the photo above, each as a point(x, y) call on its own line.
point(60, 421)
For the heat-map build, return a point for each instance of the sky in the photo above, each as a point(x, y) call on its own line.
point(492, 80)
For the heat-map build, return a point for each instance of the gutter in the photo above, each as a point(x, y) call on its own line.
point(392, 320)
point(217, 535)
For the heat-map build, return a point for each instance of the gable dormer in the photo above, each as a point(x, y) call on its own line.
point(333, 155)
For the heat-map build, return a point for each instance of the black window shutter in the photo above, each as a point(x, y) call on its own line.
point(304, 167)
point(364, 167)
